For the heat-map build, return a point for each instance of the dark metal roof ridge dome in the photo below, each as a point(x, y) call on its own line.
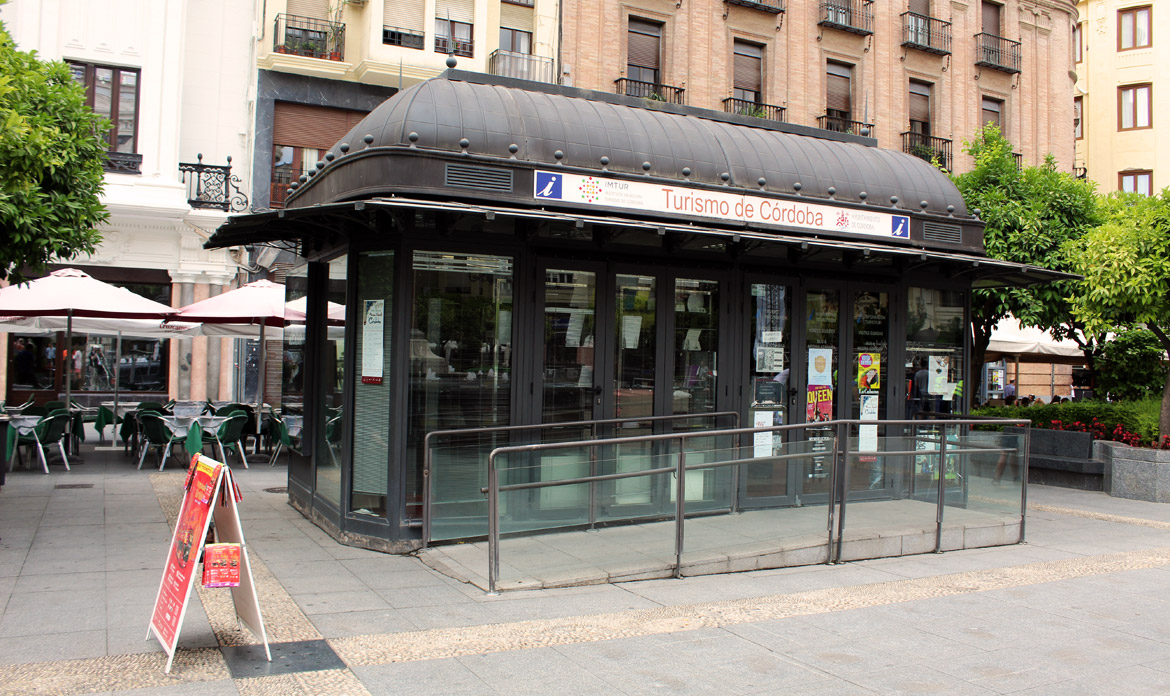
point(484, 116)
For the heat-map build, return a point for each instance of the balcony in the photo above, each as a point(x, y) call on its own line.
point(649, 90)
point(1019, 161)
point(123, 163)
point(744, 107)
point(459, 47)
point(521, 66)
point(397, 36)
point(213, 186)
point(997, 53)
point(1081, 172)
point(842, 124)
point(769, 6)
point(926, 33)
point(309, 37)
point(928, 148)
point(854, 16)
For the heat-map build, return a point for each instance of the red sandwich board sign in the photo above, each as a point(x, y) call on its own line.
point(211, 493)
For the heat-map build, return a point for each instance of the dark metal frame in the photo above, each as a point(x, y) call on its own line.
point(769, 6)
point(655, 91)
point(743, 107)
point(308, 36)
point(925, 33)
point(997, 53)
point(853, 16)
point(523, 66)
point(213, 186)
point(927, 147)
point(406, 38)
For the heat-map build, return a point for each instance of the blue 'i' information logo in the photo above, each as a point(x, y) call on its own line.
point(900, 226)
point(548, 185)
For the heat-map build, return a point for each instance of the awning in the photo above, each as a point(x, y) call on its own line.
point(285, 226)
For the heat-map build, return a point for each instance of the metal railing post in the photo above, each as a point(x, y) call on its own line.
point(842, 445)
point(426, 526)
point(942, 487)
point(493, 525)
point(832, 499)
point(1023, 469)
point(680, 509)
point(734, 476)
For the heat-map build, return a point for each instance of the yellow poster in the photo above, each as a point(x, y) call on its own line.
point(868, 372)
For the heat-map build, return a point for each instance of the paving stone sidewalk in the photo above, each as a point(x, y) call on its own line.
point(1081, 608)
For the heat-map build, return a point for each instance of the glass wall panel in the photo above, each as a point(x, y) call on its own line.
point(569, 329)
point(460, 352)
point(871, 327)
point(371, 382)
point(294, 376)
point(822, 314)
point(696, 370)
point(771, 356)
point(330, 452)
point(635, 359)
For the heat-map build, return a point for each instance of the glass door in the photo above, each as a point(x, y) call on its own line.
point(766, 483)
point(869, 387)
point(822, 320)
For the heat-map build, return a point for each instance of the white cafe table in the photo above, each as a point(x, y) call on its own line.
point(180, 425)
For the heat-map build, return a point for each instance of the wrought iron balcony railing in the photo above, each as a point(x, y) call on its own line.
point(926, 33)
point(841, 124)
point(770, 6)
point(520, 65)
point(744, 107)
point(1019, 161)
point(213, 186)
point(997, 53)
point(307, 36)
point(459, 47)
point(123, 163)
point(397, 36)
point(649, 90)
point(928, 148)
point(855, 16)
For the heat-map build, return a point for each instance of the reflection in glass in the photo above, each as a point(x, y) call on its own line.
point(770, 362)
point(934, 351)
point(372, 411)
point(460, 353)
point(871, 323)
point(633, 387)
point(822, 313)
point(696, 370)
point(330, 451)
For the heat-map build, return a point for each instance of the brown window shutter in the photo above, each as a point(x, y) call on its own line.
point(921, 7)
point(644, 44)
point(920, 102)
point(748, 66)
point(991, 18)
point(302, 125)
point(404, 14)
point(838, 94)
point(992, 112)
point(318, 9)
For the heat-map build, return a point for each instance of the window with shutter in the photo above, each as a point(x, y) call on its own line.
point(405, 14)
point(921, 7)
point(516, 17)
point(991, 18)
point(838, 91)
point(920, 107)
point(993, 112)
point(455, 10)
point(747, 82)
point(317, 9)
point(644, 50)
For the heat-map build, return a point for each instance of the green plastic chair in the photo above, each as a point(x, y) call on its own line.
point(231, 435)
point(35, 411)
point(54, 405)
point(284, 441)
point(50, 430)
point(156, 434)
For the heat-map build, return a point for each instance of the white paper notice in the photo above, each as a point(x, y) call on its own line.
point(691, 342)
point(820, 366)
point(939, 371)
point(762, 441)
point(772, 336)
point(867, 434)
point(573, 332)
point(373, 324)
point(631, 331)
point(948, 393)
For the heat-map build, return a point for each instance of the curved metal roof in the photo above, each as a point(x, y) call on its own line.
point(491, 114)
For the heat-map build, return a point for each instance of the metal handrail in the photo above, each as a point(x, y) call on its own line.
point(593, 424)
point(840, 455)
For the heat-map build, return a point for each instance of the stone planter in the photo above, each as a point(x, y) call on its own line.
point(1063, 458)
point(1138, 473)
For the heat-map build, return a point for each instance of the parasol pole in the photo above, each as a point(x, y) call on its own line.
point(69, 368)
point(117, 373)
point(260, 387)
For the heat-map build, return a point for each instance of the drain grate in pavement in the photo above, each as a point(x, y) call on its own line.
point(287, 658)
point(74, 485)
point(277, 489)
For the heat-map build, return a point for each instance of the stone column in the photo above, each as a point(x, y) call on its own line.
point(214, 353)
point(198, 390)
point(182, 349)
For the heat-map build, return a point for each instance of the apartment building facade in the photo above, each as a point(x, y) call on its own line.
point(172, 77)
point(920, 76)
point(1118, 99)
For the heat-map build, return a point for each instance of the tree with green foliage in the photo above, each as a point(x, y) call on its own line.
point(1126, 265)
point(1029, 214)
point(52, 148)
point(1131, 366)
